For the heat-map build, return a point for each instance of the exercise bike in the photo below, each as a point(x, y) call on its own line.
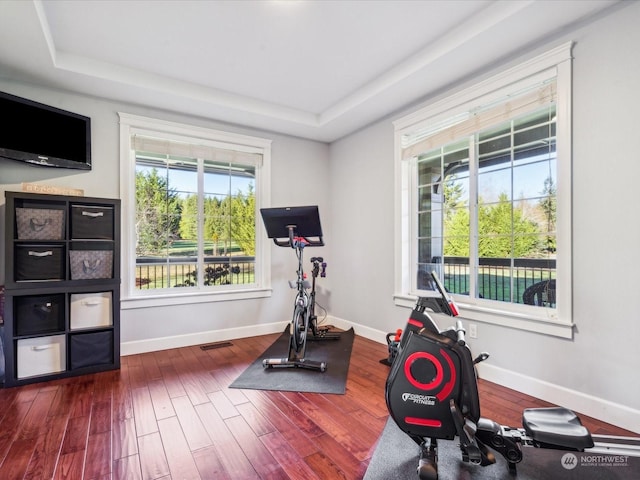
point(294, 227)
point(431, 393)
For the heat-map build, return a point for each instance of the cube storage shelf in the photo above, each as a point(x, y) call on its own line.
point(62, 287)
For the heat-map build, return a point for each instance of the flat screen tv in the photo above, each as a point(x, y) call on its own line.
point(42, 135)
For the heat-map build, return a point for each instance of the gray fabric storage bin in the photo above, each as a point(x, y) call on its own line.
point(40, 223)
point(91, 264)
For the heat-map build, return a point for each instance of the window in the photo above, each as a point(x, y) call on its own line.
point(484, 187)
point(191, 197)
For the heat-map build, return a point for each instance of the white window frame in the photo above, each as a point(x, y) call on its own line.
point(135, 298)
point(558, 321)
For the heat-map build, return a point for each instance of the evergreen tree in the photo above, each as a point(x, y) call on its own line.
point(189, 219)
point(157, 213)
point(243, 229)
point(503, 231)
point(456, 219)
point(213, 225)
point(548, 206)
point(456, 227)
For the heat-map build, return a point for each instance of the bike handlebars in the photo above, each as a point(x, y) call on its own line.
point(295, 241)
point(299, 240)
point(304, 241)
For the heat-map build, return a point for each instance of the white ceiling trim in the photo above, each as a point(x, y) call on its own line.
point(309, 90)
point(130, 76)
point(464, 33)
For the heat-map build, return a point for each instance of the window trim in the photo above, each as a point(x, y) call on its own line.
point(131, 298)
point(556, 322)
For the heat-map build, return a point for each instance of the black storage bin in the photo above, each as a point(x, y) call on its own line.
point(91, 222)
point(88, 349)
point(39, 262)
point(35, 314)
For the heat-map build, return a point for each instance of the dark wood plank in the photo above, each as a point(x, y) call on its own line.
point(296, 438)
point(45, 456)
point(75, 435)
point(263, 462)
point(100, 417)
point(298, 417)
point(16, 461)
point(258, 422)
point(152, 370)
point(324, 467)
point(98, 462)
point(35, 419)
point(341, 457)
point(11, 423)
point(344, 433)
point(70, 466)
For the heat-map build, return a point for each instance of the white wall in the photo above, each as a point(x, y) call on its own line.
point(597, 372)
point(300, 176)
point(362, 209)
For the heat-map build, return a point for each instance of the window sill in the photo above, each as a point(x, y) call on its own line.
point(189, 298)
point(541, 324)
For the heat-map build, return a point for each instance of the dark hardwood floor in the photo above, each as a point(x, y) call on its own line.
point(170, 415)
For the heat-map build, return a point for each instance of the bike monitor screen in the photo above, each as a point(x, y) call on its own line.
point(305, 220)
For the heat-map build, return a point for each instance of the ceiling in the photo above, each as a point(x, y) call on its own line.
point(314, 69)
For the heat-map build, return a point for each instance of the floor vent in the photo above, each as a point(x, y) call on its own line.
point(211, 346)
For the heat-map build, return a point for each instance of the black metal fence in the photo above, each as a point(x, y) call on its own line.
point(498, 278)
point(152, 273)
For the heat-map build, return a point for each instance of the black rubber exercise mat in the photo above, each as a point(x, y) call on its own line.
point(396, 457)
point(336, 353)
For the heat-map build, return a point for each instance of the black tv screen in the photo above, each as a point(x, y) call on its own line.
point(43, 135)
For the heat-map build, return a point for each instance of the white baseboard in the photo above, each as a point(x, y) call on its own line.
point(601, 409)
point(362, 330)
point(212, 336)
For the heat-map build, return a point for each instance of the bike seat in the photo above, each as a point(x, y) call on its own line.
point(556, 427)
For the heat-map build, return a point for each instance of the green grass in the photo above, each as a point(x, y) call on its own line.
point(190, 247)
